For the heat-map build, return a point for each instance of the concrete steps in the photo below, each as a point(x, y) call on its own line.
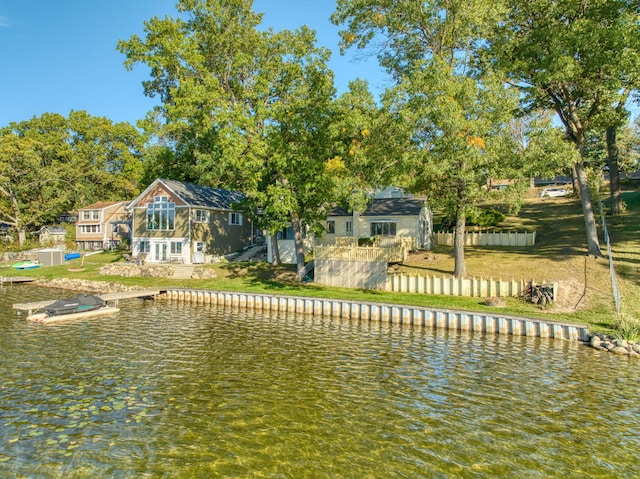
point(183, 271)
point(253, 253)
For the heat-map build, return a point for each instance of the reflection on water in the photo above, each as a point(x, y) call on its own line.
point(175, 390)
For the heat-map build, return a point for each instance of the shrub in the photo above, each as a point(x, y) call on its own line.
point(366, 241)
point(486, 217)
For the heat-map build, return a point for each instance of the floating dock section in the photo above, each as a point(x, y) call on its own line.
point(34, 306)
point(389, 313)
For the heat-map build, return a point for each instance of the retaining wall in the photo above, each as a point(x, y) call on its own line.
point(398, 314)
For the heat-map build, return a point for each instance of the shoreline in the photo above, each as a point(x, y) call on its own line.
point(598, 341)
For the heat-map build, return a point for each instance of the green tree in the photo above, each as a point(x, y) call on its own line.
point(542, 148)
point(242, 108)
point(458, 127)
point(367, 148)
point(572, 57)
point(52, 164)
point(455, 116)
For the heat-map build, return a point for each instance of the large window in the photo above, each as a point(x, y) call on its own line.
point(200, 216)
point(383, 229)
point(161, 214)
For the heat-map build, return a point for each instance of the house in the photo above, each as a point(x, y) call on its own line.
point(389, 218)
point(68, 217)
point(52, 235)
point(102, 225)
point(384, 218)
point(182, 222)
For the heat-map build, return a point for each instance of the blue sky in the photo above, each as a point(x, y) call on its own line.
point(58, 56)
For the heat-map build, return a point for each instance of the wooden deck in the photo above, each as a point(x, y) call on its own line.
point(106, 296)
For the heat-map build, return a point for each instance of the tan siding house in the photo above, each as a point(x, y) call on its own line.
point(102, 225)
point(406, 217)
point(182, 222)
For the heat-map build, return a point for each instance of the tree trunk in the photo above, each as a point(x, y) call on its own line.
point(22, 236)
point(614, 172)
point(299, 245)
point(593, 244)
point(275, 250)
point(460, 269)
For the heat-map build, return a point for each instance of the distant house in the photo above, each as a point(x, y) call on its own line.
point(102, 225)
point(184, 222)
point(4, 232)
point(393, 217)
point(52, 235)
point(68, 217)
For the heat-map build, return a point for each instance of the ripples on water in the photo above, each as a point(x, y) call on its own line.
point(179, 390)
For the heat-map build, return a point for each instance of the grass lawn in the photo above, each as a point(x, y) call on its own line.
point(559, 255)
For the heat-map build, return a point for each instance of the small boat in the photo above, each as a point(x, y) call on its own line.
point(70, 256)
point(81, 303)
point(26, 264)
point(81, 306)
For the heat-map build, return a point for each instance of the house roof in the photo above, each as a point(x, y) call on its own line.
point(203, 196)
point(388, 207)
point(55, 230)
point(101, 205)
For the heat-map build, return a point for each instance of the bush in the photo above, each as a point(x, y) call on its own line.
point(486, 217)
point(366, 241)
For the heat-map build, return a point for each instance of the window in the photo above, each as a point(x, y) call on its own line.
point(90, 215)
point(161, 214)
point(200, 216)
point(383, 229)
point(200, 246)
point(176, 247)
point(235, 219)
point(348, 228)
point(88, 229)
point(285, 234)
point(144, 247)
point(331, 227)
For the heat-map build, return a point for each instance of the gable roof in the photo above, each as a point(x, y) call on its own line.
point(198, 195)
point(54, 230)
point(100, 205)
point(408, 206)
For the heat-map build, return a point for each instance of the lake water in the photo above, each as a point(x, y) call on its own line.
point(181, 390)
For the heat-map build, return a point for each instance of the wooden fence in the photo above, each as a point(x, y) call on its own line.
point(361, 254)
point(489, 238)
point(473, 287)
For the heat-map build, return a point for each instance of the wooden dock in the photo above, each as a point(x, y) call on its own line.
point(34, 306)
point(15, 279)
